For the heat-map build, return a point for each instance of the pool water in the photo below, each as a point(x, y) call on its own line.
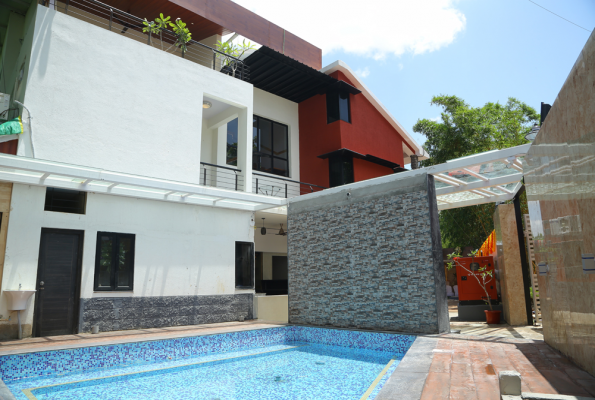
point(277, 363)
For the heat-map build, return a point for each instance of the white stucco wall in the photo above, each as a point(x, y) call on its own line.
point(179, 250)
point(100, 99)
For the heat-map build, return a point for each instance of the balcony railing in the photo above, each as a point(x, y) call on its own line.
point(122, 23)
point(281, 187)
point(221, 177)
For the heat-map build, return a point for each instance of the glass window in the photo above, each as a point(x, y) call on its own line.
point(232, 142)
point(245, 265)
point(114, 261)
point(337, 107)
point(270, 147)
point(64, 200)
point(340, 170)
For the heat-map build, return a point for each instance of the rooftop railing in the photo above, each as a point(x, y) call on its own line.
point(122, 23)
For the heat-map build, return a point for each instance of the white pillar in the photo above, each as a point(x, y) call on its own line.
point(245, 147)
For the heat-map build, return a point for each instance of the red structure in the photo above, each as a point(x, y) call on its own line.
point(469, 288)
point(360, 144)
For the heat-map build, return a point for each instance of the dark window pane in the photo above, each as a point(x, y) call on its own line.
point(64, 200)
point(266, 133)
point(337, 107)
point(114, 264)
point(340, 170)
point(265, 164)
point(244, 265)
point(332, 107)
point(270, 140)
point(344, 107)
point(280, 167)
point(105, 261)
point(280, 141)
point(232, 142)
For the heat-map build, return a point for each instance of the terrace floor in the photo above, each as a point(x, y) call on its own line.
point(462, 366)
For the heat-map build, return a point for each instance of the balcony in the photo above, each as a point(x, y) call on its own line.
point(130, 26)
point(268, 185)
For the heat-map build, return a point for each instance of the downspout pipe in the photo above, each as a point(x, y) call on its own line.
point(30, 126)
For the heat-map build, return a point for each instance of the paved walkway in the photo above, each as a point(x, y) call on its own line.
point(466, 367)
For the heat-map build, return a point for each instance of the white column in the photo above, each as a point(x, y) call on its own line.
point(245, 146)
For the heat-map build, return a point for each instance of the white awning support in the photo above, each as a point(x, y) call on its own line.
point(37, 172)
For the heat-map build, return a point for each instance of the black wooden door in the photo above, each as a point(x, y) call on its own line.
point(58, 282)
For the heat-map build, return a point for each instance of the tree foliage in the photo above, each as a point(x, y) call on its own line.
point(464, 130)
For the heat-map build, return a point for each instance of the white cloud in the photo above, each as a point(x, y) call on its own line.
point(364, 73)
point(374, 28)
point(436, 119)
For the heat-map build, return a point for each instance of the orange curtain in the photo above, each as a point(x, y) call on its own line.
point(489, 246)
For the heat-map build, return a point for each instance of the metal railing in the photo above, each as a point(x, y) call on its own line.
point(221, 177)
point(122, 23)
point(281, 187)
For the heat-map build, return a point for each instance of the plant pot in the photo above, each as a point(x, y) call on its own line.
point(493, 317)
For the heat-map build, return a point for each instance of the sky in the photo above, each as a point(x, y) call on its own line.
point(407, 51)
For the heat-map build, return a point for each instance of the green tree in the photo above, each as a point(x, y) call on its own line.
point(463, 131)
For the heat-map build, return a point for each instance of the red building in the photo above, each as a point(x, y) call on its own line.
point(346, 135)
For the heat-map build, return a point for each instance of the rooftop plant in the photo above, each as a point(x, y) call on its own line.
point(183, 35)
point(230, 53)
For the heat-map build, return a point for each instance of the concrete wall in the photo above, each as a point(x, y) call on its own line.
point(271, 308)
point(368, 255)
point(560, 172)
point(180, 251)
point(100, 99)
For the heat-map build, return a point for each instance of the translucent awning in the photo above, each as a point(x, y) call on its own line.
point(32, 171)
point(487, 177)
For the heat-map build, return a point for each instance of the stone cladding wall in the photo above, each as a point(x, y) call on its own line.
point(368, 259)
point(121, 313)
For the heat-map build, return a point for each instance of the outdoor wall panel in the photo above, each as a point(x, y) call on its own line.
point(368, 257)
point(560, 172)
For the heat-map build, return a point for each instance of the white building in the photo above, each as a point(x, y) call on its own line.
point(133, 196)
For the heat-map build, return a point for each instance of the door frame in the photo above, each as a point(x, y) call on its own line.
point(79, 271)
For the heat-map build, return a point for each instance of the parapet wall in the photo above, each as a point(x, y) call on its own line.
point(368, 255)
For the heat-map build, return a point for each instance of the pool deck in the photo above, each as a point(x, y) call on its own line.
point(449, 366)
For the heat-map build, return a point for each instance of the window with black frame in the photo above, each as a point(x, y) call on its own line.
point(337, 106)
point(114, 261)
point(340, 169)
point(270, 147)
point(232, 143)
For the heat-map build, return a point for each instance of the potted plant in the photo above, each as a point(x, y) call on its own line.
point(183, 35)
point(483, 277)
point(156, 27)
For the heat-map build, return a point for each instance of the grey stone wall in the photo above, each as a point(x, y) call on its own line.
point(122, 313)
point(368, 257)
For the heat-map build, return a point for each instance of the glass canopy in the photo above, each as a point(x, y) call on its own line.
point(487, 177)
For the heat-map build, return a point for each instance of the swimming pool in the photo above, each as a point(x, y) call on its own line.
point(275, 363)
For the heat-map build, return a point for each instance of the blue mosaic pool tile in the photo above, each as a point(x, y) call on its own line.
point(66, 366)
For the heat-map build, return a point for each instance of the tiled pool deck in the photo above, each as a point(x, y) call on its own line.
point(453, 366)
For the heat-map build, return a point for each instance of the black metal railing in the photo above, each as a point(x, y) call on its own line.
point(269, 185)
point(221, 177)
point(105, 16)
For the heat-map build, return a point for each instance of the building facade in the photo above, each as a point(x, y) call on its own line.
point(136, 195)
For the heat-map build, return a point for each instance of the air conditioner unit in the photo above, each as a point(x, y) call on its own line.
point(4, 105)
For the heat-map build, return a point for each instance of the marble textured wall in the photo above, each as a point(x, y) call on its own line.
point(509, 268)
point(121, 313)
point(560, 181)
point(368, 257)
